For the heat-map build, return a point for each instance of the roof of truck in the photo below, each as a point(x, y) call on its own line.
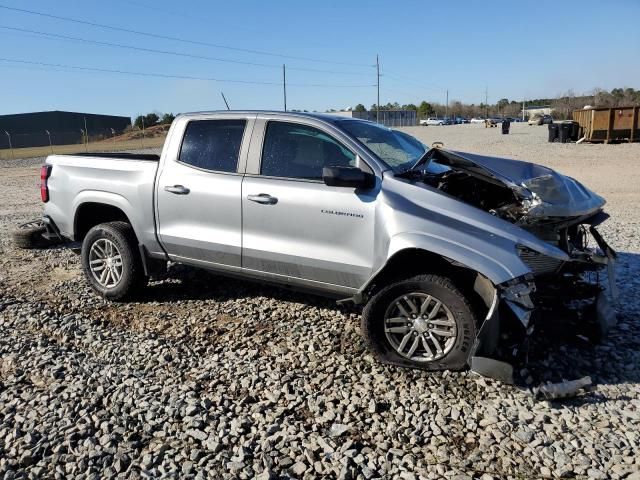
point(321, 116)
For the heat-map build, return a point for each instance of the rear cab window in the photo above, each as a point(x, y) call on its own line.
point(293, 150)
point(212, 145)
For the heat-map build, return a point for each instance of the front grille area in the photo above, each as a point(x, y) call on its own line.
point(538, 263)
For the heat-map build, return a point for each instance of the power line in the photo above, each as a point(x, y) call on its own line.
point(430, 86)
point(169, 52)
point(171, 76)
point(177, 39)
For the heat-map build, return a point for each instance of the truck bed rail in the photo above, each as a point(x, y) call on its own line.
point(116, 155)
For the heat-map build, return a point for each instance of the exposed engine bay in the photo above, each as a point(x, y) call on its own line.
point(523, 193)
point(488, 196)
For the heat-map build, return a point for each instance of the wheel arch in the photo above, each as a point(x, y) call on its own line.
point(474, 272)
point(88, 214)
point(413, 261)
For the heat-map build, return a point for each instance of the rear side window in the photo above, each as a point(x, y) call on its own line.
point(212, 144)
point(293, 150)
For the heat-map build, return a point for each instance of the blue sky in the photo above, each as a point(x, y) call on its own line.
point(516, 49)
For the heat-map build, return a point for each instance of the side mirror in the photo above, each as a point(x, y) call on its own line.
point(347, 177)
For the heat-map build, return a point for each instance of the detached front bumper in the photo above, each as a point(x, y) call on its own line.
point(581, 291)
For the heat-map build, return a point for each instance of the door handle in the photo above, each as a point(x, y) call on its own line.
point(263, 198)
point(177, 189)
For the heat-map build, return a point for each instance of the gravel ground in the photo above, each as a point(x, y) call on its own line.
point(210, 377)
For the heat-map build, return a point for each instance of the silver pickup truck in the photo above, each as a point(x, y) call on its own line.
point(445, 250)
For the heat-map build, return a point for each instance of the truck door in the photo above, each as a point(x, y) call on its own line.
point(294, 225)
point(198, 194)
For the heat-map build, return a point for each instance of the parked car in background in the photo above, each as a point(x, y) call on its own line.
point(477, 120)
point(432, 121)
point(461, 120)
point(541, 120)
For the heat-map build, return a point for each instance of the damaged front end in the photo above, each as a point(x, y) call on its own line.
point(575, 294)
point(573, 289)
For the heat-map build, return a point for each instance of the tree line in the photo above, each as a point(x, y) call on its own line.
point(561, 106)
point(152, 119)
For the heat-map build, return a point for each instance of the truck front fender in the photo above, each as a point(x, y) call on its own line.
point(494, 257)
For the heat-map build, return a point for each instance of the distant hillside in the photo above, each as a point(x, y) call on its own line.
point(151, 132)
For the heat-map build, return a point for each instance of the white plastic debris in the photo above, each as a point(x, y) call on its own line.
point(565, 389)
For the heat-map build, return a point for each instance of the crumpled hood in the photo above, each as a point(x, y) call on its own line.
point(549, 193)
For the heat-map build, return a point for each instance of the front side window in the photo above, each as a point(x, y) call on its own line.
point(293, 150)
point(212, 144)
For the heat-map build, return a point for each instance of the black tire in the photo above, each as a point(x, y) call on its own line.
point(29, 235)
point(132, 278)
point(441, 288)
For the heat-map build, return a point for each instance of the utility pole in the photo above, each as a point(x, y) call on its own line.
point(446, 107)
point(225, 100)
point(523, 110)
point(486, 102)
point(378, 77)
point(284, 85)
point(142, 139)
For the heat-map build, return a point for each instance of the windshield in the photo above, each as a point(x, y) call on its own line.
point(397, 149)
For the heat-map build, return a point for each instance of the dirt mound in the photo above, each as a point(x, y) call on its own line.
point(136, 134)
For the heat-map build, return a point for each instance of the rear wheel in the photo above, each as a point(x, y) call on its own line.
point(421, 322)
point(111, 260)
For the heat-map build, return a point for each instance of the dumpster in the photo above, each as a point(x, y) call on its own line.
point(505, 126)
point(553, 132)
point(604, 124)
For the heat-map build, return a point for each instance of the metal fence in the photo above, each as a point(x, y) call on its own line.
point(390, 118)
point(23, 145)
point(49, 138)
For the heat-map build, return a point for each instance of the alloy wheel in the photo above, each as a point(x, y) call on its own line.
point(420, 327)
point(105, 262)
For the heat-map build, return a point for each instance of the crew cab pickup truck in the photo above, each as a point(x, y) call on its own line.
point(444, 249)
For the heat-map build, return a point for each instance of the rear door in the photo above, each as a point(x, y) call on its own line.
point(295, 226)
point(198, 193)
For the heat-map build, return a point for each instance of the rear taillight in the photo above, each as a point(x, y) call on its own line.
point(45, 172)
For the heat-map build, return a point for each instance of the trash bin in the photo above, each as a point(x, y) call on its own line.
point(553, 132)
point(575, 131)
point(505, 126)
point(565, 129)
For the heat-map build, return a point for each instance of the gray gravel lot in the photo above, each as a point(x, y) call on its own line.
point(210, 377)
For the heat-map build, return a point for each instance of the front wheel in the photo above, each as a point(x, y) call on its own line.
point(111, 260)
point(420, 322)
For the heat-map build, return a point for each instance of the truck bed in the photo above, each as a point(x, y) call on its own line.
point(124, 181)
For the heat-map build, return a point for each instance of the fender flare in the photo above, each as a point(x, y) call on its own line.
point(105, 198)
point(480, 262)
point(476, 260)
